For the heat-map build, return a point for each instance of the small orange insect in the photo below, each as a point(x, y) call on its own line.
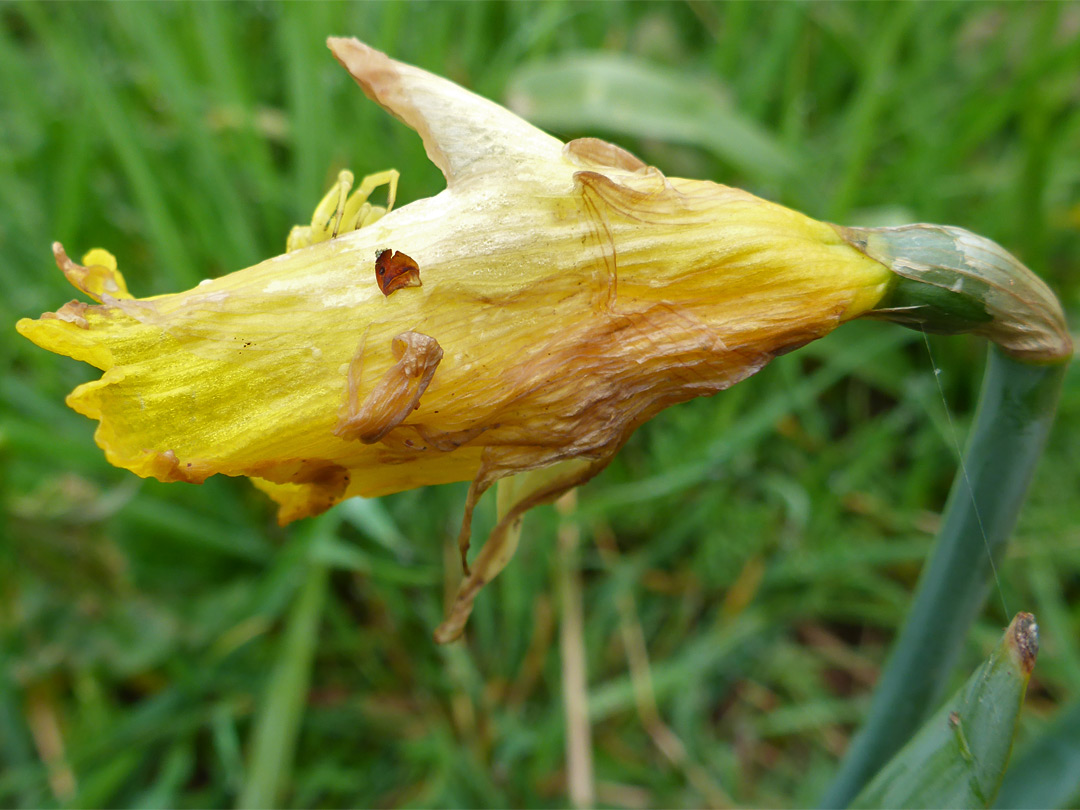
point(394, 270)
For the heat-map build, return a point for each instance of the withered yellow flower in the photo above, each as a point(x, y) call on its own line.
point(565, 294)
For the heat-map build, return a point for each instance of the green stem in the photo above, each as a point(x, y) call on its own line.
point(1016, 409)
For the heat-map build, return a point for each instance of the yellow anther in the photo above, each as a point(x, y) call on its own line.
point(341, 212)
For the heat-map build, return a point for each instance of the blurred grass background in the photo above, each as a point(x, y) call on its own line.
point(762, 544)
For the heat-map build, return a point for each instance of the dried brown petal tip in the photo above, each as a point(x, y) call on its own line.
point(1023, 637)
point(72, 312)
point(97, 276)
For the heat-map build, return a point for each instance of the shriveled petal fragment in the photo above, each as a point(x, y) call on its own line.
point(398, 393)
point(97, 276)
point(516, 495)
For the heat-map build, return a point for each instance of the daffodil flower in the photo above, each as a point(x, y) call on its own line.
point(552, 299)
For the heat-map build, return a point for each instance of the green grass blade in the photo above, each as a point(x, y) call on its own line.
point(16, 747)
point(1016, 409)
point(959, 756)
point(1046, 772)
point(866, 107)
point(629, 96)
point(277, 724)
point(111, 111)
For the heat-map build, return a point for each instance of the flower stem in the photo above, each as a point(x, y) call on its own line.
point(1016, 409)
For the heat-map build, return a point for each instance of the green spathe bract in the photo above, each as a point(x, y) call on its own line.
point(950, 280)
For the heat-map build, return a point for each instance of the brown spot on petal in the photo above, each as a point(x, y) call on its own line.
point(165, 466)
point(394, 270)
point(301, 487)
point(72, 312)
